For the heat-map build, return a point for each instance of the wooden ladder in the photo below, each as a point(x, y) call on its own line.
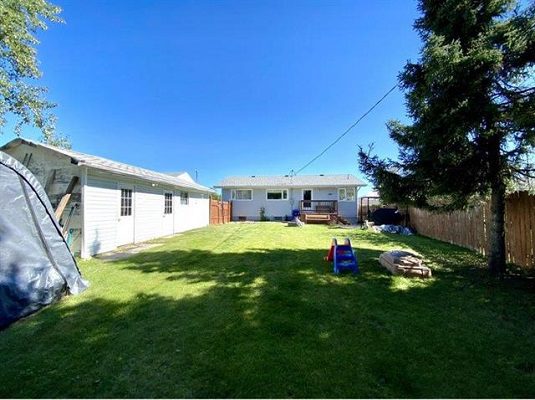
point(66, 197)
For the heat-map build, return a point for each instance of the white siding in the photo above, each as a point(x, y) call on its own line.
point(148, 213)
point(101, 215)
point(348, 209)
point(251, 209)
point(102, 202)
point(101, 205)
point(194, 215)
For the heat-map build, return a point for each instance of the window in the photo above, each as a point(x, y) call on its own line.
point(278, 194)
point(168, 203)
point(126, 202)
point(346, 194)
point(184, 198)
point(242, 194)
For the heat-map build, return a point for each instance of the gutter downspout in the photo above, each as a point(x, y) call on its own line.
point(83, 251)
point(357, 202)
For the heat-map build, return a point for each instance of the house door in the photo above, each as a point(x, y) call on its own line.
point(307, 196)
point(168, 217)
point(125, 224)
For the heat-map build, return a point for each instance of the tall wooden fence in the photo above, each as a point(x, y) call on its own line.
point(220, 212)
point(471, 228)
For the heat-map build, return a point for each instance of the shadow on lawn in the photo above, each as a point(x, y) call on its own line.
point(452, 263)
point(277, 323)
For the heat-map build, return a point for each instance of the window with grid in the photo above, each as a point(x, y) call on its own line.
point(126, 202)
point(168, 203)
point(184, 198)
point(346, 194)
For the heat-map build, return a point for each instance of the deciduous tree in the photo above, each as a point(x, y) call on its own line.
point(20, 97)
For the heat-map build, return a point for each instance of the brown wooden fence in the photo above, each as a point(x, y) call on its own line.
point(471, 228)
point(220, 212)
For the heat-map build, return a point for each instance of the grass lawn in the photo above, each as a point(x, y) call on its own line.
point(252, 310)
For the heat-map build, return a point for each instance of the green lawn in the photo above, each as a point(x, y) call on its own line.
point(252, 310)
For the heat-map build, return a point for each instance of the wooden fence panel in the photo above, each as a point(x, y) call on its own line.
point(220, 212)
point(520, 225)
point(471, 228)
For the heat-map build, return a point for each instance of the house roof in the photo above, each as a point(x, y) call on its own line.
point(104, 164)
point(182, 175)
point(290, 181)
point(176, 173)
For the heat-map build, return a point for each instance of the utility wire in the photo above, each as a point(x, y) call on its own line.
point(347, 130)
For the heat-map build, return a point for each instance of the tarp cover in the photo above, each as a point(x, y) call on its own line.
point(36, 265)
point(386, 216)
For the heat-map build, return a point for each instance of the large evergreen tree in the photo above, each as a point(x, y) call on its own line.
point(471, 100)
point(19, 96)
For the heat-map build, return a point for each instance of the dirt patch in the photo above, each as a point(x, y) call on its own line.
point(126, 251)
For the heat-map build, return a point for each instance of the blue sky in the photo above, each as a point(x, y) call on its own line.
point(227, 88)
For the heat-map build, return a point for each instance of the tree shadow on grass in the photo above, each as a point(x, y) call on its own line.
point(458, 262)
point(277, 323)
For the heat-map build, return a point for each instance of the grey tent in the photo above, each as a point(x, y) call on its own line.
point(36, 265)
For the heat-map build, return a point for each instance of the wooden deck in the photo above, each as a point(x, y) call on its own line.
point(319, 211)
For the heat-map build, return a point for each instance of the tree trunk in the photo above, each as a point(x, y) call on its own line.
point(496, 262)
point(497, 231)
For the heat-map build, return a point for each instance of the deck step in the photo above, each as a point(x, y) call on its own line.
point(317, 218)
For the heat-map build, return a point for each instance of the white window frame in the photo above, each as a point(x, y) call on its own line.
point(233, 194)
point(182, 198)
point(344, 197)
point(281, 191)
point(165, 208)
point(125, 207)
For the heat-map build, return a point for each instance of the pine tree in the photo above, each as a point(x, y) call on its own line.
point(471, 101)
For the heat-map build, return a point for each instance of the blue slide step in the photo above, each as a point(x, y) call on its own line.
point(344, 258)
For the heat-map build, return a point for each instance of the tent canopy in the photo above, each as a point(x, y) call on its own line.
point(36, 265)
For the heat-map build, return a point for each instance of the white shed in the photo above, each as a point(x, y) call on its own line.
point(110, 203)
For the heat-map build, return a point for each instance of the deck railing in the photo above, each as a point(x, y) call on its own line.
point(319, 206)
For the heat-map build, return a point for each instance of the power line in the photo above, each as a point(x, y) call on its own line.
point(347, 130)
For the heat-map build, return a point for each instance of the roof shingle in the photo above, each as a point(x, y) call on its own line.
point(115, 166)
point(291, 181)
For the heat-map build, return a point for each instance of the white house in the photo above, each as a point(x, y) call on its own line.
point(317, 197)
point(112, 203)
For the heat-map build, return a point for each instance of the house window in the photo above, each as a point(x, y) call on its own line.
point(279, 194)
point(346, 194)
point(184, 198)
point(126, 202)
point(242, 194)
point(168, 203)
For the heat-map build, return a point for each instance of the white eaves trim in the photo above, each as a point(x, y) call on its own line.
point(286, 181)
point(115, 167)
